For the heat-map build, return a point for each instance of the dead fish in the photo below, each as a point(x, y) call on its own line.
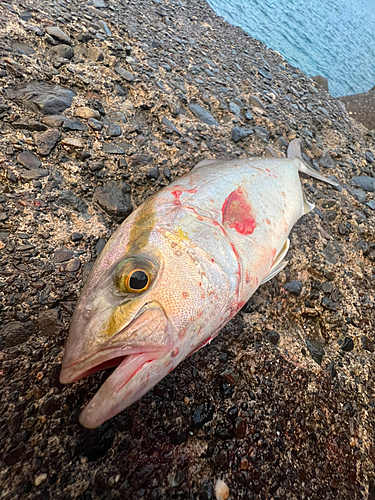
point(178, 269)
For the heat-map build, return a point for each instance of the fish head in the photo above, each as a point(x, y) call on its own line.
point(140, 310)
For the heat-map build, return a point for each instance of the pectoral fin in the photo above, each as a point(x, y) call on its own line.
point(279, 263)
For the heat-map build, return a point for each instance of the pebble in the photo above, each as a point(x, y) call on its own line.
point(17, 332)
point(126, 75)
point(256, 102)
point(293, 287)
point(47, 140)
point(115, 199)
point(315, 349)
point(347, 344)
point(235, 109)
point(59, 35)
point(95, 124)
point(240, 427)
point(29, 160)
point(273, 337)
point(62, 51)
point(49, 323)
point(114, 130)
point(262, 133)
point(73, 265)
point(202, 114)
point(84, 112)
point(239, 133)
point(221, 490)
point(50, 99)
point(371, 204)
point(203, 414)
point(369, 156)
point(366, 183)
point(62, 254)
point(359, 195)
point(39, 479)
point(72, 142)
point(367, 344)
point(110, 148)
point(169, 125)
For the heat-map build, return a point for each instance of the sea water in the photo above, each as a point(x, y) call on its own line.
point(333, 38)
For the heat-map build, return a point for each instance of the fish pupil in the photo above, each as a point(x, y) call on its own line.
point(138, 280)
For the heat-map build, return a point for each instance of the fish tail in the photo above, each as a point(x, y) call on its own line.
point(294, 151)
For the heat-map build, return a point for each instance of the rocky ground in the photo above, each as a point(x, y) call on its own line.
point(102, 104)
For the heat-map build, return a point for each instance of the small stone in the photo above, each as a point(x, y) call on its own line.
point(369, 156)
point(49, 323)
point(39, 479)
point(115, 199)
point(95, 54)
point(105, 27)
point(76, 237)
point(85, 112)
point(281, 142)
point(169, 125)
point(203, 414)
point(58, 34)
point(367, 344)
point(114, 130)
point(327, 287)
point(29, 160)
point(47, 140)
point(50, 99)
point(72, 142)
point(359, 195)
point(239, 133)
point(371, 204)
point(235, 109)
point(153, 173)
point(110, 148)
point(240, 427)
point(202, 114)
point(316, 350)
point(366, 183)
point(74, 125)
point(54, 120)
point(62, 255)
point(347, 344)
point(249, 115)
point(33, 174)
point(17, 332)
point(126, 75)
point(293, 287)
point(95, 124)
point(221, 490)
point(73, 265)
point(99, 247)
point(256, 102)
point(273, 337)
point(62, 51)
point(262, 133)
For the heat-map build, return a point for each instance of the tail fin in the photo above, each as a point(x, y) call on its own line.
point(294, 151)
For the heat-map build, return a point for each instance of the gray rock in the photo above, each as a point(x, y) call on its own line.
point(169, 125)
point(239, 133)
point(256, 102)
point(112, 149)
point(281, 142)
point(29, 160)
point(99, 4)
point(54, 120)
point(62, 51)
point(315, 349)
point(249, 115)
point(126, 75)
point(17, 332)
point(33, 174)
point(95, 124)
point(321, 80)
point(49, 323)
point(73, 265)
point(95, 54)
point(359, 195)
point(366, 183)
point(57, 34)
point(369, 157)
point(115, 199)
point(68, 199)
point(262, 133)
point(62, 255)
point(293, 287)
point(114, 130)
point(47, 141)
point(371, 204)
point(361, 107)
point(50, 99)
point(202, 114)
point(105, 27)
point(235, 109)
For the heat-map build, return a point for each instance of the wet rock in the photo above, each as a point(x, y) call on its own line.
point(62, 51)
point(47, 140)
point(293, 287)
point(202, 114)
point(17, 332)
point(126, 75)
point(49, 99)
point(240, 427)
point(366, 183)
point(347, 344)
point(203, 414)
point(49, 322)
point(95, 444)
point(367, 344)
point(239, 133)
point(315, 349)
point(115, 199)
point(273, 337)
point(59, 35)
point(85, 112)
point(29, 160)
point(62, 255)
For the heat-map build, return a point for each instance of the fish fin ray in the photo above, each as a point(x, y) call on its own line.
point(205, 163)
point(279, 263)
point(294, 151)
point(307, 206)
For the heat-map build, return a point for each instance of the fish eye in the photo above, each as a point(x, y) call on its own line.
point(138, 280)
point(134, 275)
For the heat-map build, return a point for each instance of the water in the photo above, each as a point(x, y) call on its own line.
point(333, 38)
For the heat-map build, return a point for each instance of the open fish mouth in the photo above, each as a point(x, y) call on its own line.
point(117, 392)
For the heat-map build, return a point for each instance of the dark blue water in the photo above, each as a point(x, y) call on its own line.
point(333, 38)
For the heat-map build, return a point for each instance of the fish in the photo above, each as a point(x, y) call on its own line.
point(178, 269)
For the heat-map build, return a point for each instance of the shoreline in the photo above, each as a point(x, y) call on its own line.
point(101, 106)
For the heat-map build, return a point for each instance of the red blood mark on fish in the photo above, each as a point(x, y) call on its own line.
point(200, 217)
point(177, 193)
point(240, 304)
point(273, 254)
point(175, 352)
point(268, 170)
point(238, 212)
point(268, 222)
point(192, 190)
point(185, 294)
